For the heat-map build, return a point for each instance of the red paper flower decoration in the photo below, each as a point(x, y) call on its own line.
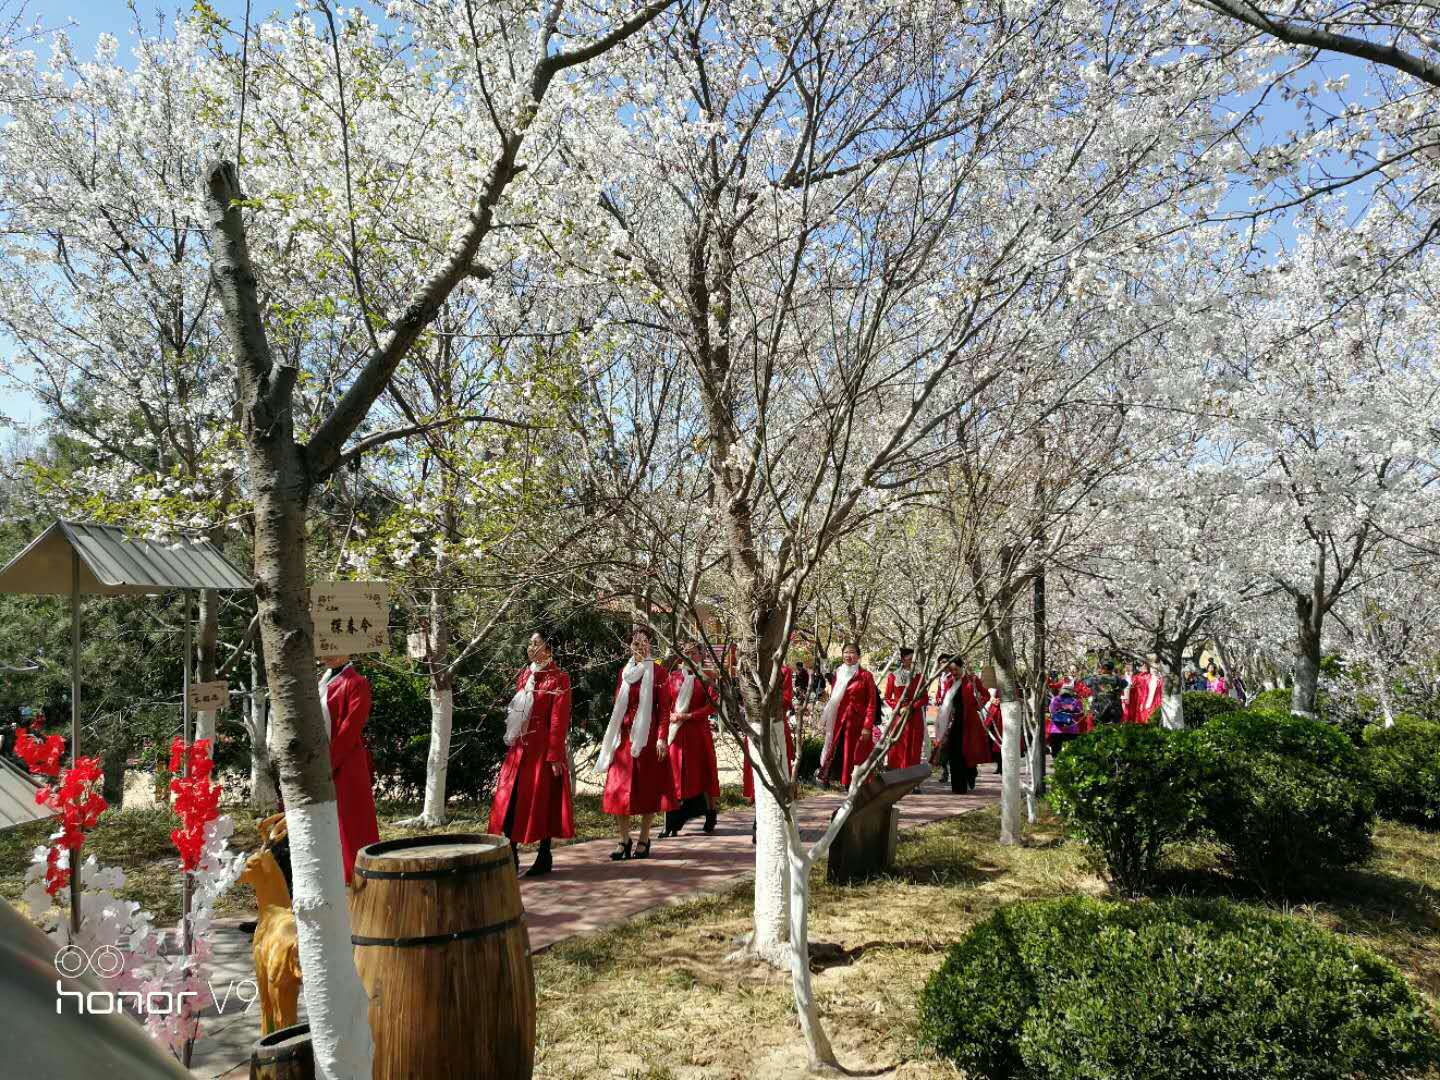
point(74, 798)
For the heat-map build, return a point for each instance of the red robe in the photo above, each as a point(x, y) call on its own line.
point(907, 748)
point(787, 699)
point(1137, 708)
point(639, 785)
point(692, 746)
point(975, 745)
point(855, 723)
point(543, 807)
point(347, 704)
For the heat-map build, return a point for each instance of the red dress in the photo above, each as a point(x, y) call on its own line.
point(907, 748)
point(347, 703)
point(692, 746)
point(787, 698)
point(543, 807)
point(639, 785)
point(975, 746)
point(855, 723)
point(1137, 708)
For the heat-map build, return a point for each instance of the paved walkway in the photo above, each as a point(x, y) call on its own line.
point(586, 893)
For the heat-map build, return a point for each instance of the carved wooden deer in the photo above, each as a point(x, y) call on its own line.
point(277, 947)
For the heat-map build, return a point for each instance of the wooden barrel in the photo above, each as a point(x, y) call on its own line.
point(283, 1055)
point(442, 949)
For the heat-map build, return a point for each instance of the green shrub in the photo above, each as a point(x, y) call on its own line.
point(1201, 706)
point(1292, 799)
point(1403, 765)
point(1127, 792)
point(1271, 701)
point(1079, 989)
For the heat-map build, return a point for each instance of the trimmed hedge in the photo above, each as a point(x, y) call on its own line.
point(1129, 791)
point(1079, 989)
point(1292, 799)
point(1201, 706)
point(1403, 765)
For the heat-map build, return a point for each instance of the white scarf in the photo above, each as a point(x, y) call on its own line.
point(947, 709)
point(517, 723)
point(325, 680)
point(843, 674)
point(682, 699)
point(642, 672)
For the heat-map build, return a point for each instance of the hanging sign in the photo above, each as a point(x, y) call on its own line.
point(209, 696)
point(350, 617)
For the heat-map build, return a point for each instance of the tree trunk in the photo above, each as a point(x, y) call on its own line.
point(112, 764)
point(771, 920)
point(1012, 717)
point(206, 642)
point(1036, 745)
point(1172, 700)
point(822, 1054)
point(1309, 619)
point(263, 796)
point(437, 764)
point(280, 482)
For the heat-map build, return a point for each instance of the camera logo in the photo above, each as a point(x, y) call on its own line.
point(107, 961)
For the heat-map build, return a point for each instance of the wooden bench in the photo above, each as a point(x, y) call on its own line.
point(865, 844)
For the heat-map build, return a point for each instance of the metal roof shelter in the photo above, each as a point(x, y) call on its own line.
point(86, 559)
point(112, 564)
point(17, 798)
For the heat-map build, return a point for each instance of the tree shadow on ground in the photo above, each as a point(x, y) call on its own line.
point(825, 955)
point(1348, 893)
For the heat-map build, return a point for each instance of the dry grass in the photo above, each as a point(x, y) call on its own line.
point(655, 999)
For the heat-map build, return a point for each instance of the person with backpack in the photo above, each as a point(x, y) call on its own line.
point(1067, 718)
point(1107, 694)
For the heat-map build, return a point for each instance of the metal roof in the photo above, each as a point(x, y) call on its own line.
point(17, 798)
point(113, 564)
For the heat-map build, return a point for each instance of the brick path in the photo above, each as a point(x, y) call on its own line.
point(586, 893)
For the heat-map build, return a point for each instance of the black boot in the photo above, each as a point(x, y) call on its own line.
point(543, 863)
point(710, 819)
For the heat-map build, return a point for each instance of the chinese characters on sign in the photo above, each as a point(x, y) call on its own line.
point(209, 696)
point(350, 617)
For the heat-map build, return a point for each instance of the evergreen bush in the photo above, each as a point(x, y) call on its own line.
point(1080, 989)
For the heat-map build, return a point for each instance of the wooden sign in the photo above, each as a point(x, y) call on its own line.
point(350, 617)
point(209, 696)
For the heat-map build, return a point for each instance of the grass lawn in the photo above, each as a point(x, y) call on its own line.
point(655, 999)
point(138, 841)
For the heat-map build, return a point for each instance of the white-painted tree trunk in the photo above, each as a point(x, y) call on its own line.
point(771, 920)
point(263, 796)
point(807, 1010)
point(332, 988)
point(1382, 690)
point(437, 765)
point(205, 726)
point(1011, 796)
point(1172, 705)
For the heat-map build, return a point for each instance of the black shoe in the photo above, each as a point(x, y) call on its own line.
point(709, 821)
point(642, 849)
point(753, 827)
point(247, 927)
point(621, 852)
point(666, 834)
point(543, 864)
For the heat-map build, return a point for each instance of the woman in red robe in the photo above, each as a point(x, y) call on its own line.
point(852, 716)
point(532, 799)
point(695, 777)
point(345, 700)
point(964, 742)
point(787, 703)
point(633, 754)
point(907, 684)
